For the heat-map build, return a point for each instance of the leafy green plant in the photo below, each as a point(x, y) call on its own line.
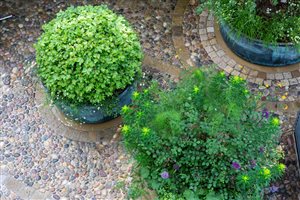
point(87, 54)
point(205, 139)
point(270, 21)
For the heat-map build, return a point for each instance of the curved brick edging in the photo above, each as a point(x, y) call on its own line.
point(218, 51)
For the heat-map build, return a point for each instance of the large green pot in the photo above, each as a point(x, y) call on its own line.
point(92, 114)
point(258, 52)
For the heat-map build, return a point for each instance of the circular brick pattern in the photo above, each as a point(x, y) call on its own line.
point(221, 55)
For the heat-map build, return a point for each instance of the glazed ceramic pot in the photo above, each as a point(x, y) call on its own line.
point(258, 52)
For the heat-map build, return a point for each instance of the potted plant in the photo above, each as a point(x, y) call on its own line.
point(206, 139)
point(88, 58)
point(262, 32)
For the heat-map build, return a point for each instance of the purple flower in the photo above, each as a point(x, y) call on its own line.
point(265, 113)
point(165, 175)
point(273, 189)
point(252, 164)
point(261, 149)
point(176, 167)
point(236, 165)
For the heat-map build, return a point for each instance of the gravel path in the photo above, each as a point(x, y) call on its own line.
point(38, 156)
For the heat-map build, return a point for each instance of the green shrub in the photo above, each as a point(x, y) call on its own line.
point(87, 54)
point(269, 21)
point(204, 139)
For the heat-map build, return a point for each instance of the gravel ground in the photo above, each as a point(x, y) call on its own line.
point(151, 19)
point(41, 158)
point(77, 170)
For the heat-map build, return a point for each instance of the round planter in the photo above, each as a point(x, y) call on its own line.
point(92, 114)
point(258, 52)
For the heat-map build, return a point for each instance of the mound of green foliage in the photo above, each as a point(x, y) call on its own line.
point(203, 140)
point(87, 53)
point(270, 21)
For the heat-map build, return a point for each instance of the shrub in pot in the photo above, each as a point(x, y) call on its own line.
point(205, 139)
point(87, 56)
point(262, 32)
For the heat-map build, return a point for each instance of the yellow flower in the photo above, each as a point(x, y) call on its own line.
point(267, 85)
point(279, 85)
point(237, 79)
point(125, 129)
point(145, 131)
point(196, 89)
point(222, 74)
point(275, 121)
point(286, 107)
point(245, 178)
point(283, 97)
point(125, 109)
point(266, 173)
point(281, 167)
point(135, 94)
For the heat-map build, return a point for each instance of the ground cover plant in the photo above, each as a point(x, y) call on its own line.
point(88, 54)
point(270, 21)
point(206, 139)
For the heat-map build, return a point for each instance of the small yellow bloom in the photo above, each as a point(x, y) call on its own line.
point(275, 121)
point(145, 131)
point(245, 178)
point(125, 129)
point(237, 79)
point(196, 89)
point(267, 85)
point(266, 173)
point(281, 167)
point(279, 85)
point(222, 74)
point(286, 107)
point(135, 94)
point(283, 97)
point(125, 109)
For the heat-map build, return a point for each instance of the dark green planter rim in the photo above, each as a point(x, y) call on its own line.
point(257, 51)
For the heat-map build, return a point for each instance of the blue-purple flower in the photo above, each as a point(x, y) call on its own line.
point(176, 167)
point(265, 113)
point(236, 165)
point(252, 164)
point(165, 175)
point(273, 189)
point(261, 149)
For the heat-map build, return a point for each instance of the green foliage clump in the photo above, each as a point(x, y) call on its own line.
point(87, 53)
point(205, 139)
point(269, 21)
